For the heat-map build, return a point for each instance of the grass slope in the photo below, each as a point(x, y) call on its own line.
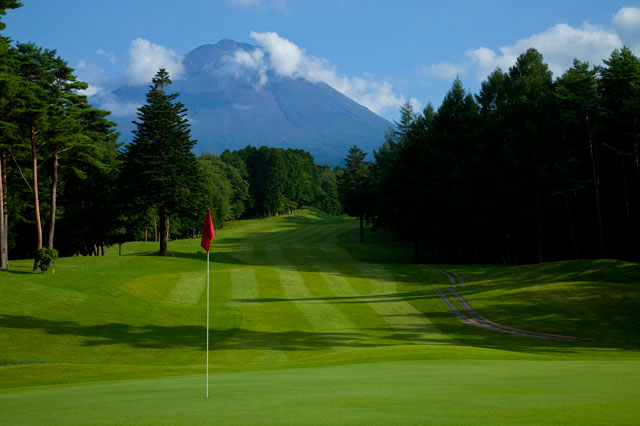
point(308, 327)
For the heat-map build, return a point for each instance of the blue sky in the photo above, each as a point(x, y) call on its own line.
point(380, 53)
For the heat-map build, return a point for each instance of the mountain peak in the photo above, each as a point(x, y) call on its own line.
point(210, 58)
point(224, 45)
point(230, 107)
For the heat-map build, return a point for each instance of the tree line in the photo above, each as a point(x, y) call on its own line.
point(529, 169)
point(67, 183)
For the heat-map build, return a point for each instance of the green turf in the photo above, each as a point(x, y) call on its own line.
point(309, 327)
point(412, 392)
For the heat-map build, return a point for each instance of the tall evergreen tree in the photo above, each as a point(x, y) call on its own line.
point(354, 186)
point(9, 88)
point(619, 88)
point(37, 69)
point(159, 168)
point(578, 104)
point(530, 98)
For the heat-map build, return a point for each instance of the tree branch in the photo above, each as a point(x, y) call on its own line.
point(19, 169)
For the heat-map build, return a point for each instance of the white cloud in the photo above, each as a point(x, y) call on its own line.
point(285, 59)
point(119, 108)
point(415, 104)
point(90, 90)
point(253, 60)
point(109, 55)
point(446, 70)
point(147, 58)
point(558, 45)
point(627, 24)
point(91, 74)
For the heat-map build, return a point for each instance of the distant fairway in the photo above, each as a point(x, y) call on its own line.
point(311, 328)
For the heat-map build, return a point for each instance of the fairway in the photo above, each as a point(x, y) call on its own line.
point(309, 327)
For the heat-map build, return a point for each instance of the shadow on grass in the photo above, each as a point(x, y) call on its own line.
point(192, 336)
point(372, 298)
point(14, 272)
point(147, 336)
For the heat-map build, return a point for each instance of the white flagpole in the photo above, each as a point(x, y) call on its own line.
point(207, 324)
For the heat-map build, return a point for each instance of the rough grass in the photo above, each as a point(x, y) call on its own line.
point(309, 327)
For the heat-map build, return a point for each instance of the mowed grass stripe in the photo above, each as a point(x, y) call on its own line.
point(271, 332)
point(189, 288)
point(385, 299)
point(244, 286)
point(308, 228)
point(367, 328)
point(219, 288)
point(361, 309)
point(328, 322)
point(322, 232)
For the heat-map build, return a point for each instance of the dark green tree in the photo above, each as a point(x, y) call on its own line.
point(9, 90)
point(619, 88)
point(529, 139)
point(578, 108)
point(159, 169)
point(218, 189)
point(238, 177)
point(326, 196)
point(354, 186)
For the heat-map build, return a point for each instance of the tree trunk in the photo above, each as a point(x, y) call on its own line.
point(163, 231)
point(361, 229)
point(54, 197)
point(626, 204)
point(145, 233)
point(168, 229)
point(155, 231)
point(4, 246)
point(596, 186)
point(539, 227)
point(36, 199)
point(571, 231)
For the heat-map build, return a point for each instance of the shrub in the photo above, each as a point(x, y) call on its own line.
point(45, 257)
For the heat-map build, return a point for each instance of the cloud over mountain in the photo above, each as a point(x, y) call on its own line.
point(286, 59)
point(145, 58)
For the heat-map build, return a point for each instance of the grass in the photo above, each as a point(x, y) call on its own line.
point(411, 392)
point(311, 328)
point(596, 299)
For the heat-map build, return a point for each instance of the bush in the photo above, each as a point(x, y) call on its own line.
point(45, 257)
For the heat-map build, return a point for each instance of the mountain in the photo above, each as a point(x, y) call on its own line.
point(230, 107)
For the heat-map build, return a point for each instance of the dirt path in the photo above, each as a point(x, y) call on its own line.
point(472, 317)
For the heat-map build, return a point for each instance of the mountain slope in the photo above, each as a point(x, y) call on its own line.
point(229, 107)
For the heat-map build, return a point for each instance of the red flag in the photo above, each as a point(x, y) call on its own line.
point(207, 232)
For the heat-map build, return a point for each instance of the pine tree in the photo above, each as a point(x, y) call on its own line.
point(159, 169)
point(354, 186)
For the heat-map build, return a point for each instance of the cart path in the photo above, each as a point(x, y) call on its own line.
point(477, 320)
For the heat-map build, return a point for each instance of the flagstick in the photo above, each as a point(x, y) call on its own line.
point(207, 324)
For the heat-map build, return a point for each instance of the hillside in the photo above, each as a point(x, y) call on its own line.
point(230, 109)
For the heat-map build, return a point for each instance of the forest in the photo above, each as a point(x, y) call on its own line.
point(530, 169)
